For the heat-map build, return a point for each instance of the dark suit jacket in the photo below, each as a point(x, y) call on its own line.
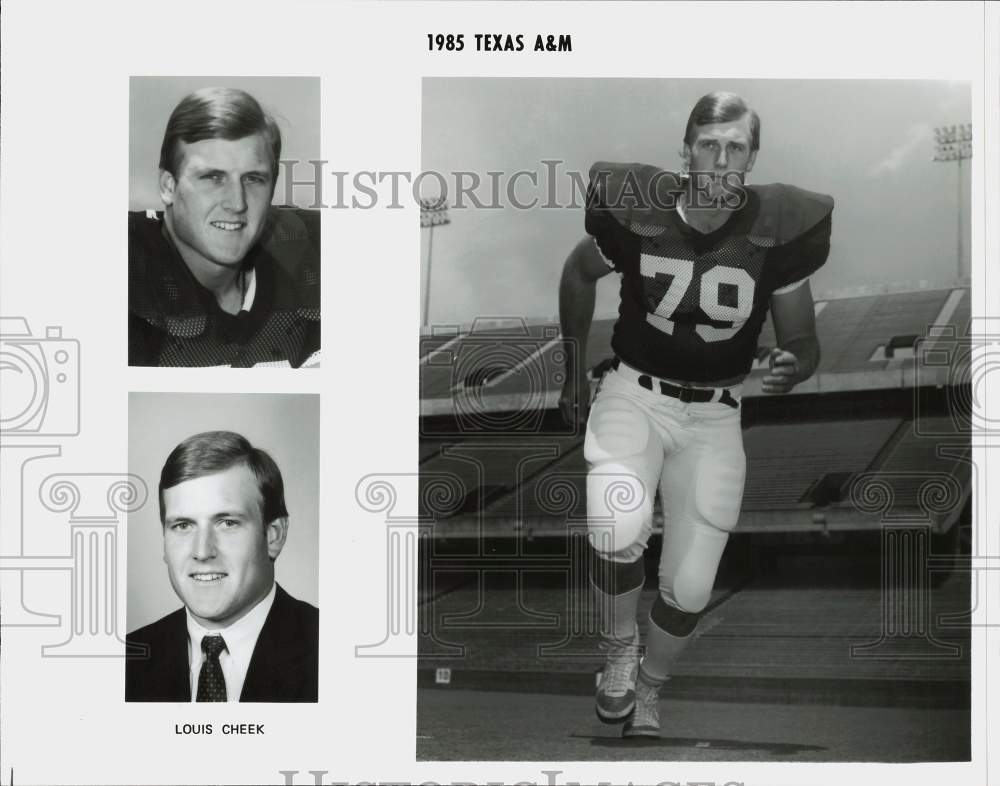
point(284, 665)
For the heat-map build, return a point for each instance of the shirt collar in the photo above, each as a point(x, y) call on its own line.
point(241, 636)
point(251, 290)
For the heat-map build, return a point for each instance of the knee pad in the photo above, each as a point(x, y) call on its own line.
point(616, 578)
point(692, 551)
point(718, 487)
point(617, 518)
point(618, 449)
point(671, 619)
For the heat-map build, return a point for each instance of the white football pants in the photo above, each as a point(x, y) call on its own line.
point(638, 440)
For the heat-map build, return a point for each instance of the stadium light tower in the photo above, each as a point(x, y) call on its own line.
point(954, 143)
point(433, 213)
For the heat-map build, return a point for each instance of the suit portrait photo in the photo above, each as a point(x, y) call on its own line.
point(222, 560)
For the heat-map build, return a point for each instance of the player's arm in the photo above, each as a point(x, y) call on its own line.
point(797, 355)
point(577, 294)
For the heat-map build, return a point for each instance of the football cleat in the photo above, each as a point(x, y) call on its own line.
point(616, 691)
point(645, 721)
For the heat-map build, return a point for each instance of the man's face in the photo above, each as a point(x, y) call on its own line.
point(218, 551)
point(217, 204)
point(721, 151)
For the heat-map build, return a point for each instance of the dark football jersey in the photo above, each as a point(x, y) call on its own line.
point(174, 321)
point(693, 303)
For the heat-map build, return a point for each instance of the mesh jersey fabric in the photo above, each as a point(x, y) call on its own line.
point(174, 321)
point(693, 304)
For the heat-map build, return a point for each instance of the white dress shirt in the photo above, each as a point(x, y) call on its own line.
point(241, 638)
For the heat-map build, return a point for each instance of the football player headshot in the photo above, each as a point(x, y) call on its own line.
point(220, 277)
point(239, 635)
point(703, 256)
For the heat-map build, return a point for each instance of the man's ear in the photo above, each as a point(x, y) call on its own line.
point(167, 186)
point(751, 160)
point(277, 532)
point(685, 155)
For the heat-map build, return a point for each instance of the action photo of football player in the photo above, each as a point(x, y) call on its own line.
point(703, 256)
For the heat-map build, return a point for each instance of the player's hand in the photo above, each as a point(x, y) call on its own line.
point(574, 401)
point(783, 374)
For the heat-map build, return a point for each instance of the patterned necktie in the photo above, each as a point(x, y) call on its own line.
point(211, 682)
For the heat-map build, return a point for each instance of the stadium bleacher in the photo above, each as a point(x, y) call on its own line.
point(878, 439)
point(523, 360)
point(490, 383)
point(853, 329)
point(785, 460)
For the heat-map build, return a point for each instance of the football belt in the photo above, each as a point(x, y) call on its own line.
point(683, 393)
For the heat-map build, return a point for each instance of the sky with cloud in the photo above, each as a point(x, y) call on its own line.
point(869, 143)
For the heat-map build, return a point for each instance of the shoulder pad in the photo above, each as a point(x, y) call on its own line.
point(292, 240)
point(158, 292)
point(164, 294)
point(143, 226)
point(634, 193)
point(786, 212)
point(291, 236)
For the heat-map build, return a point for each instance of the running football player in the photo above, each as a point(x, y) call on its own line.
point(702, 257)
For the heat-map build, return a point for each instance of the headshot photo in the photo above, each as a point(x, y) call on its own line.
point(223, 244)
point(234, 524)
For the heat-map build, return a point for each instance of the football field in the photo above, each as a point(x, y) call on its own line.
point(470, 725)
point(792, 663)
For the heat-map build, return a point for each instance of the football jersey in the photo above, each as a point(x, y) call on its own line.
point(693, 303)
point(174, 321)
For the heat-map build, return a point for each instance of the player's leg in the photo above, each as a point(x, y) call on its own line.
point(624, 457)
point(702, 488)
